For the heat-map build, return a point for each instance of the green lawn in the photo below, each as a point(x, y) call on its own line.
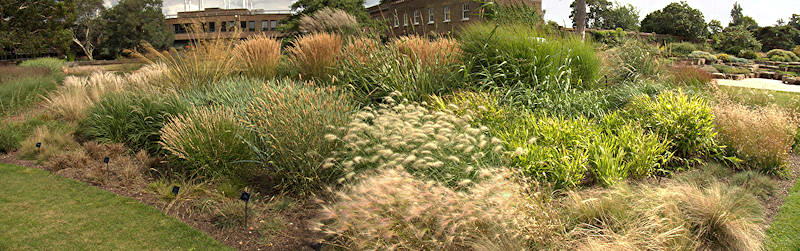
point(784, 233)
point(42, 211)
point(759, 97)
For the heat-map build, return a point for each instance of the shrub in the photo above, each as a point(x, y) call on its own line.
point(520, 56)
point(710, 58)
point(211, 141)
point(782, 56)
point(290, 121)
point(731, 69)
point(736, 39)
point(394, 210)
point(435, 145)
point(748, 54)
point(54, 64)
point(314, 55)
point(330, 20)
point(690, 76)
point(374, 71)
point(762, 137)
point(634, 59)
point(682, 48)
point(796, 50)
point(259, 55)
point(133, 119)
point(687, 122)
point(54, 140)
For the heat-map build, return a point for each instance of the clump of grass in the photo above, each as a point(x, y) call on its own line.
point(206, 62)
point(330, 20)
point(690, 76)
point(756, 183)
point(54, 140)
point(673, 216)
point(12, 133)
point(634, 59)
point(54, 64)
point(518, 55)
point(77, 94)
point(687, 122)
point(23, 92)
point(133, 119)
point(392, 209)
point(9, 73)
point(433, 145)
point(211, 142)
point(86, 163)
point(444, 51)
point(260, 56)
point(315, 55)
point(763, 137)
point(290, 121)
point(374, 71)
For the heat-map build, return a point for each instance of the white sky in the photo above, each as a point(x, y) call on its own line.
point(765, 12)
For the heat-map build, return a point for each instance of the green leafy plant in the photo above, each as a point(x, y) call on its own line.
point(688, 122)
point(54, 64)
point(782, 56)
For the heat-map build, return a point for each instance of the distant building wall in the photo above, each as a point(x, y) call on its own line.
point(216, 22)
point(422, 17)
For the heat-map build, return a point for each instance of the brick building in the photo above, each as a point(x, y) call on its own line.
point(215, 21)
point(421, 17)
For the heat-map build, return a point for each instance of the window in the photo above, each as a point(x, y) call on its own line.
point(274, 25)
point(405, 19)
point(178, 28)
point(465, 12)
point(231, 26)
point(243, 25)
point(431, 18)
point(251, 26)
point(417, 17)
point(264, 25)
point(212, 27)
point(223, 26)
point(396, 20)
point(446, 14)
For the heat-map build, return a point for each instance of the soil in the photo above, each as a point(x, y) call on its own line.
point(297, 236)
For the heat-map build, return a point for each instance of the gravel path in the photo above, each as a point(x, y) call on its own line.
point(760, 83)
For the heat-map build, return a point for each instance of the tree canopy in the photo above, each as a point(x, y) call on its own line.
point(677, 19)
point(782, 37)
point(735, 39)
point(309, 7)
point(739, 19)
point(132, 22)
point(36, 26)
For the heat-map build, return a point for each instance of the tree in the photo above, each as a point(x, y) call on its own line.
point(777, 37)
point(739, 19)
point(677, 19)
point(35, 27)
point(714, 27)
point(86, 31)
point(580, 17)
point(794, 21)
point(594, 10)
point(625, 17)
point(132, 22)
point(735, 39)
point(309, 7)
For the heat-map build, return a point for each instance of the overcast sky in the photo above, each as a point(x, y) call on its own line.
point(765, 12)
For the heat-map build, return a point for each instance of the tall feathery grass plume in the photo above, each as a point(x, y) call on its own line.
point(315, 55)
point(204, 62)
point(259, 55)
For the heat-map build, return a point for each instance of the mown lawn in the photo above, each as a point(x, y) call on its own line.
point(41, 211)
point(759, 97)
point(784, 233)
